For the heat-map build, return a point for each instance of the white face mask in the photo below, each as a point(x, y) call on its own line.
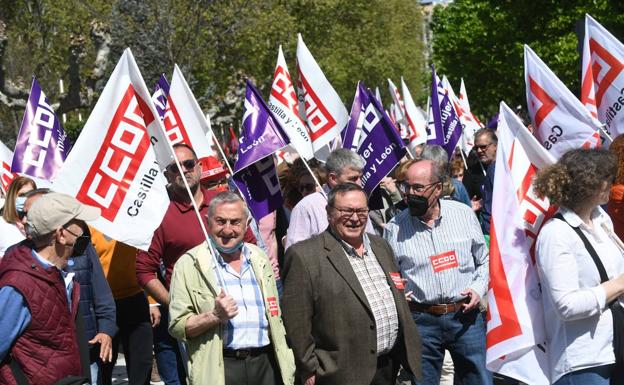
point(19, 204)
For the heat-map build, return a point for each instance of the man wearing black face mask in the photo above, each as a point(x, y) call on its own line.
point(97, 305)
point(441, 252)
point(40, 298)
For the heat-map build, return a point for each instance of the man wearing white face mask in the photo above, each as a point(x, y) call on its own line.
point(238, 337)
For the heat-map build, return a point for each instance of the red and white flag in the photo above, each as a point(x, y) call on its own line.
point(319, 104)
point(184, 120)
point(112, 164)
point(284, 105)
point(6, 176)
point(560, 121)
point(463, 100)
point(515, 323)
point(603, 76)
point(415, 119)
point(398, 102)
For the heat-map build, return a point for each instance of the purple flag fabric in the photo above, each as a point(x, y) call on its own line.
point(42, 145)
point(161, 93)
point(372, 135)
point(446, 122)
point(254, 171)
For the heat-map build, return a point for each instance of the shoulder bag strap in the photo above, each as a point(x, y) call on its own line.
point(590, 249)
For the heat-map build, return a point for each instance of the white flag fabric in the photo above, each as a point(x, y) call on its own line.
point(184, 120)
point(469, 125)
point(560, 121)
point(463, 101)
point(603, 76)
point(415, 119)
point(398, 102)
point(112, 164)
point(515, 328)
point(319, 104)
point(6, 176)
point(284, 105)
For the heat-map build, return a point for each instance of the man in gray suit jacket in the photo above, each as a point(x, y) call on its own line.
point(343, 304)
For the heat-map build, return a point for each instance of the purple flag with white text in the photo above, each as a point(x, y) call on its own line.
point(372, 135)
point(42, 145)
point(160, 95)
point(446, 122)
point(254, 171)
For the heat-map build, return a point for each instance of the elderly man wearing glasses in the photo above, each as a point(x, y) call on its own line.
point(442, 254)
point(344, 308)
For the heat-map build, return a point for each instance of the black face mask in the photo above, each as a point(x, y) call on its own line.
point(417, 205)
point(80, 245)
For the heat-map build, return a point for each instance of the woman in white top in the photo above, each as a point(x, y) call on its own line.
point(11, 226)
point(579, 325)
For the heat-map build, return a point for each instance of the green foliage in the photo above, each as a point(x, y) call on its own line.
point(219, 43)
point(482, 41)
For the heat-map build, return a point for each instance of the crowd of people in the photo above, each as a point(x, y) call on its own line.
point(331, 288)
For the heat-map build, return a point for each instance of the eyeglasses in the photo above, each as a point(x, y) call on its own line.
point(482, 147)
point(347, 213)
point(419, 188)
point(72, 233)
point(188, 164)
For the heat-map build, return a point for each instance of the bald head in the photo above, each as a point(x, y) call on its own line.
point(424, 171)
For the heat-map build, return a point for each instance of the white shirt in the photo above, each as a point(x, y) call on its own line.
point(579, 327)
point(9, 235)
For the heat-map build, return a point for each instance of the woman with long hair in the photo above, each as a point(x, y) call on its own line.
point(11, 225)
point(576, 300)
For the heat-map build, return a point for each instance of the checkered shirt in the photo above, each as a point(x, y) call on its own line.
point(375, 285)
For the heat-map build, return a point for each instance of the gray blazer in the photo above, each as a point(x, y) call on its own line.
point(329, 324)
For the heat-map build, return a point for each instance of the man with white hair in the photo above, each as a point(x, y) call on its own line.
point(228, 312)
point(39, 299)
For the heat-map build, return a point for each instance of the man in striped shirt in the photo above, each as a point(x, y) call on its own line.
point(441, 251)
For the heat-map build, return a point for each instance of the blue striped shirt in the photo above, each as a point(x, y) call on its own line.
point(250, 327)
point(441, 261)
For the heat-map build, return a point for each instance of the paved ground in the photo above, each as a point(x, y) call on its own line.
point(119, 373)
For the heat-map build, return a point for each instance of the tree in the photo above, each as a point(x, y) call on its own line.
point(216, 44)
point(482, 41)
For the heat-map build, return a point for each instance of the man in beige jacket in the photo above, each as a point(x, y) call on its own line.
point(228, 314)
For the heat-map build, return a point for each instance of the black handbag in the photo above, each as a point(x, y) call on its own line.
point(617, 311)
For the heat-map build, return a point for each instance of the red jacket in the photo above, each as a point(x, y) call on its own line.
point(47, 350)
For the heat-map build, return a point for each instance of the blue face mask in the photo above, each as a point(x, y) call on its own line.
point(228, 250)
point(19, 204)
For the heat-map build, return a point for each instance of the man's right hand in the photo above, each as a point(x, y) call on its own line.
point(225, 307)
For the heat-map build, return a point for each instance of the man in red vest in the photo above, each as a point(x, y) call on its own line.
point(39, 299)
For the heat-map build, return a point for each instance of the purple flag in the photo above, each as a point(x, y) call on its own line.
point(254, 171)
point(161, 93)
point(372, 135)
point(42, 145)
point(446, 122)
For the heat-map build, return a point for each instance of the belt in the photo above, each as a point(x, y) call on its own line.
point(437, 309)
point(241, 354)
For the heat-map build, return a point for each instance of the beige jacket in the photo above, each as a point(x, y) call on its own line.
point(193, 290)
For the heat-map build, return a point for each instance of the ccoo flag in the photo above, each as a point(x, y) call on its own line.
point(319, 104)
point(113, 164)
point(445, 120)
point(160, 95)
point(284, 105)
point(603, 76)
point(372, 135)
point(42, 145)
point(184, 120)
point(6, 176)
point(515, 326)
point(561, 122)
point(415, 119)
point(254, 172)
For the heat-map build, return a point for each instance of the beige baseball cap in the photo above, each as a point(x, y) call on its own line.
point(53, 210)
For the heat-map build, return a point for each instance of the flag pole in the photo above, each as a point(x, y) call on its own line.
point(464, 159)
point(216, 141)
point(604, 131)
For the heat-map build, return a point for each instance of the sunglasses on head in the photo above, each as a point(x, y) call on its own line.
point(188, 164)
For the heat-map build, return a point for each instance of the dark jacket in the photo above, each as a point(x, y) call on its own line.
point(97, 305)
point(328, 320)
point(48, 349)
